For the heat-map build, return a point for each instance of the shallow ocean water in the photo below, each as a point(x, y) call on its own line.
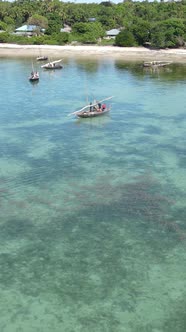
point(92, 228)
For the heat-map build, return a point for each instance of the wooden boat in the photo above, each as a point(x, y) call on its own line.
point(91, 114)
point(42, 58)
point(93, 109)
point(53, 65)
point(156, 63)
point(34, 77)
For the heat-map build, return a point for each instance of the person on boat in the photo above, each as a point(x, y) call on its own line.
point(99, 106)
point(103, 107)
point(91, 107)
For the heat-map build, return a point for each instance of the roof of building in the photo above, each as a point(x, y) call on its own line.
point(92, 19)
point(113, 32)
point(27, 28)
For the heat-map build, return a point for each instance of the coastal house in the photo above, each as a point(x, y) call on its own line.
point(29, 30)
point(111, 34)
point(92, 19)
point(66, 28)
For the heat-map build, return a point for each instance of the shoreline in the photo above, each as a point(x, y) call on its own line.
point(113, 52)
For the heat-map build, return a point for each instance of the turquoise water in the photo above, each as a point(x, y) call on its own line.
point(92, 228)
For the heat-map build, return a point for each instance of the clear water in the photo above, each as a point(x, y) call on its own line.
point(92, 227)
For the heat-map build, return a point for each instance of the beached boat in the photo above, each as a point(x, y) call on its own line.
point(42, 58)
point(53, 65)
point(93, 109)
point(34, 76)
point(156, 63)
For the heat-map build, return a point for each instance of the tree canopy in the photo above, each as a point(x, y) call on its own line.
point(160, 24)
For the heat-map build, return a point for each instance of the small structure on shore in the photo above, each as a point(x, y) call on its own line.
point(66, 28)
point(111, 34)
point(29, 30)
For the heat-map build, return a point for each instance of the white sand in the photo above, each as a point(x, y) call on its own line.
point(125, 53)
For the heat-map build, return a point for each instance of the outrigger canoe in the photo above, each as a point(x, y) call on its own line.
point(53, 65)
point(91, 114)
point(156, 63)
point(93, 110)
point(42, 58)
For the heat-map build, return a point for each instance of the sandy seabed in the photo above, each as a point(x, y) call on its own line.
point(124, 53)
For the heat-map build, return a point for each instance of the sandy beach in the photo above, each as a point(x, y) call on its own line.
point(124, 53)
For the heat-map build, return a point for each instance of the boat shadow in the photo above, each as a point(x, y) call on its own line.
point(34, 82)
point(94, 121)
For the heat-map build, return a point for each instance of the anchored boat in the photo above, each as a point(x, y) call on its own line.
point(34, 76)
point(156, 63)
point(42, 58)
point(53, 65)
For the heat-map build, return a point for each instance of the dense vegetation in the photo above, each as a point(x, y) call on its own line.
point(158, 24)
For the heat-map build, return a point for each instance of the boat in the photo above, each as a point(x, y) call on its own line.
point(53, 65)
point(93, 109)
point(42, 58)
point(89, 114)
point(156, 63)
point(34, 76)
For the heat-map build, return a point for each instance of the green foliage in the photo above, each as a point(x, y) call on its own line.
point(107, 22)
point(3, 26)
point(88, 32)
point(162, 23)
point(105, 42)
point(107, 17)
point(38, 20)
point(80, 28)
point(56, 39)
point(168, 33)
point(88, 38)
point(54, 24)
point(76, 13)
point(106, 3)
point(141, 30)
point(61, 38)
point(125, 39)
point(40, 40)
point(9, 21)
point(4, 37)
